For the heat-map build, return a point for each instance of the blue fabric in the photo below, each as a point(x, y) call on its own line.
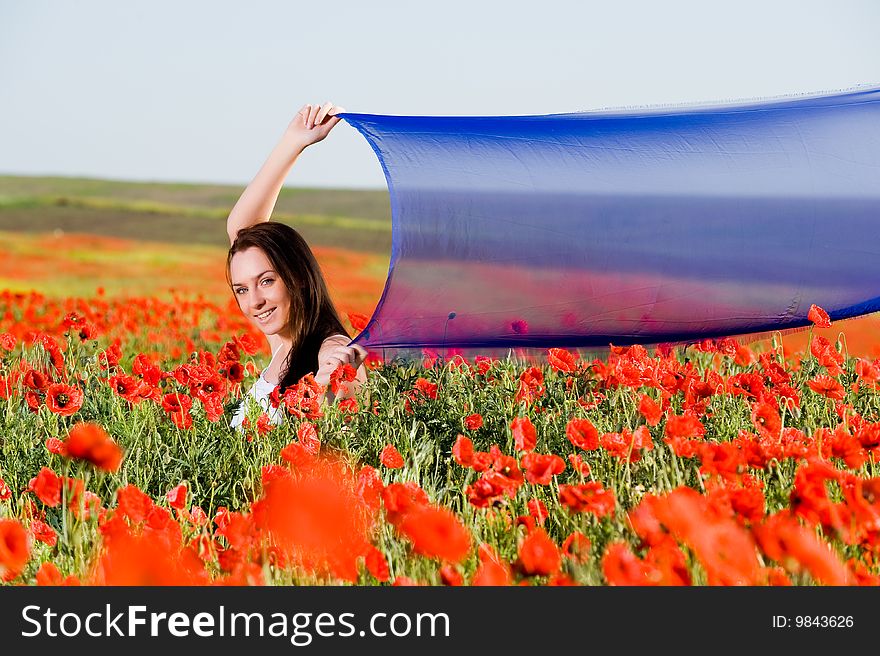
point(656, 226)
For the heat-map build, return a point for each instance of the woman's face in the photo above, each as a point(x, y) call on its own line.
point(261, 294)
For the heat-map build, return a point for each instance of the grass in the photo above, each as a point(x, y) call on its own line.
point(187, 214)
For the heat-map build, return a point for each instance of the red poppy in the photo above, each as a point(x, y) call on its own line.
point(724, 548)
point(5, 492)
point(213, 385)
point(525, 438)
point(7, 342)
point(582, 434)
point(358, 321)
point(650, 410)
point(684, 426)
point(450, 576)
point(391, 458)
point(63, 399)
point(34, 380)
point(177, 496)
point(234, 372)
point(766, 419)
point(14, 549)
point(794, 546)
point(373, 360)
point(744, 355)
point(47, 486)
point(463, 451)
point(868, 372)
point(269, 473)
point(473, 422)
point(50, 345)
point(531, 385)
point(348, 407)
point(827, 387)
point(109, 358)
point(491, 571)
point(827, 355)
point(538, 554)
point(436, 533)
point(819, 317)
point(297, 454)
point(589, 497)
point(426, 387)
point(344, 373)
point(126, 387)
point(376, 564)
point(229, 353)
point(143, 560)
point(318, 518)
point(540, 468)
point(402, 498)
point(538, 510)
point(482, 364)
point(43, 532)
point(178, 408)
point(577, 546)
point(133, 504)
point(247, 343)
point(307, 435)
point(91, 443)
point(303, 400)
point(405, 582)
point(48, 574)
point(626, 445)
point(369, 486)
point(56, 446)
point(263, 426)
point(562, 360)
point(33, 401)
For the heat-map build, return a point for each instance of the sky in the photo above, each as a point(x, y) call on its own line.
point(193, 91)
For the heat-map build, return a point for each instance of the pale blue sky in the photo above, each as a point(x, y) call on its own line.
point(200, 91)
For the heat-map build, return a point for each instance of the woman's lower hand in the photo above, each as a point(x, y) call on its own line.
point(313, 123)
point(334, 356)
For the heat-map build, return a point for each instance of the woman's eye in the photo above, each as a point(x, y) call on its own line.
point(240, 290)
point(269, 280)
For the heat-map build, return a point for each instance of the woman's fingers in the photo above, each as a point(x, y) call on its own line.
point(322, 113)
point(353, 355)
point(360, 353)
point(313, 112)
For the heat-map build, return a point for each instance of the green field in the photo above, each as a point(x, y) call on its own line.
point(358, 220)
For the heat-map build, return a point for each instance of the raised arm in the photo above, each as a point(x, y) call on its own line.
point(311, 124)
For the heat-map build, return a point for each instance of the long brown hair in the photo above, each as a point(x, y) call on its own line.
point(313, 317)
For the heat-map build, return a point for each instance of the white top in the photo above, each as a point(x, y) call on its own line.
point(259, 391)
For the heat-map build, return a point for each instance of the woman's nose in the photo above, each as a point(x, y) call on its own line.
point(257, 298)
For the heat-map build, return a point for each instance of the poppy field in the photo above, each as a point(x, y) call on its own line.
point(123, 357)
point(721, 463)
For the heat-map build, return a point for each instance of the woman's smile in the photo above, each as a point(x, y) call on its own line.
point(264, 316)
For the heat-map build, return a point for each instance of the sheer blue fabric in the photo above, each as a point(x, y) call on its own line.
point(624, 227)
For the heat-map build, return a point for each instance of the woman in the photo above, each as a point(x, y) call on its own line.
point(277, 282)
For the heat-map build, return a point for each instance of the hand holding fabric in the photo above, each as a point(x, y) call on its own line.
point(333, 356)
point(313, 123)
